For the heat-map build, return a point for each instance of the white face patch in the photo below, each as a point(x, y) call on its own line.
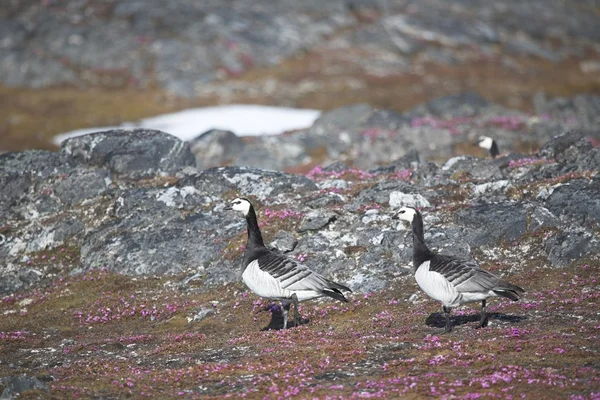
point(485, 142)
point(406, 213)
point(241, 205)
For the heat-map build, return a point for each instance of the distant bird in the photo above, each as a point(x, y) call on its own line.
point(486, 142)
point(450, 280)
point(272, 275)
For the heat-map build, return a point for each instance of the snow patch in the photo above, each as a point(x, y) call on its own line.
point(242, 119)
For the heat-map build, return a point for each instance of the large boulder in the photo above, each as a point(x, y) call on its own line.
point(141, 152)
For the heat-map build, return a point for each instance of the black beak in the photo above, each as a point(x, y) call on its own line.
point(395, 216)
point(227, 208)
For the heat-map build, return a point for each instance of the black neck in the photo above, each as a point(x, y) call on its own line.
point(421, 252)
point(254, 237)
point(494, 149)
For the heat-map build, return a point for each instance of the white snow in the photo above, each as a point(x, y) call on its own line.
point(243, 120)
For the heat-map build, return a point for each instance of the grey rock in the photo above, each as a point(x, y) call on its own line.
point(567, 247)
point(380, 193)
point(540, 218)
point(426, 171)
point(216, 148)
point(79, 185)
point(141, 152)
point(559, 144)
point(17, 280)
point(316, 220)
point(409, 160)
point(463, 104)
point(145, 245)
point(337, 166)
point(493, 222)
point(248, 182)
point(400, 199)
point(579, 200)
point(476, 168)
point(284, 241)
point(491, 187)
point(201, 314)
point(15, 385)
point(27, 171)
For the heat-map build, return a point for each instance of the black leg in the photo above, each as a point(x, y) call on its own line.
point(447, 315)
point(285, 310)
point(484, 318)
point(296, 313)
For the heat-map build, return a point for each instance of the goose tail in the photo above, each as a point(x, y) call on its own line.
point(334, 290)
point(508, 290)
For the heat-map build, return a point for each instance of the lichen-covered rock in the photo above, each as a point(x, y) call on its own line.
point(316, 220)
point(491, 222)
point(15, 385)
point(578, 200)
point(141, 152)
point(567, 247)
point(338, 221)
point(248, 182)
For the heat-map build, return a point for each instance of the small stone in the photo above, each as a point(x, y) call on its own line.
point(201, 314)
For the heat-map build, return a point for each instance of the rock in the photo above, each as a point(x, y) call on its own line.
point(159, 232)
point(464, 104)
point(541, 217)
point(21, 170)
point(476, 168)
point(80, 185)
point(139, 153)
point(15, 385)
point(493, 222)
point(201, 314)
point(579, 200)
point(337, 166)
point(559, 144)
point(567, 247)
point(284, 242)
point(55, 235)
point(491, 187)
point(316, 220)
point(341, 222)
point(215, 148)
point(408, 161)
point(248, 182)
point(400, 199)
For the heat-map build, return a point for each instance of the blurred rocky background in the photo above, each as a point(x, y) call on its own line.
point(76, 63)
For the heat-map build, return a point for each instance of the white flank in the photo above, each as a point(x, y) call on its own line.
point(435, 285)
point(243, 120)
point(262, 283)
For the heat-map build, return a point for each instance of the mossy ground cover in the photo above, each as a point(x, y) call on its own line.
point(105, 335)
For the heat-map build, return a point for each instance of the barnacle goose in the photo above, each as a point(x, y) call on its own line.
point(450, 280)
point(274, 276)
point(486, 142)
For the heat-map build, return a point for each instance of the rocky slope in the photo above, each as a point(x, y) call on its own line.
point(116, 254)
point(189, 45)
